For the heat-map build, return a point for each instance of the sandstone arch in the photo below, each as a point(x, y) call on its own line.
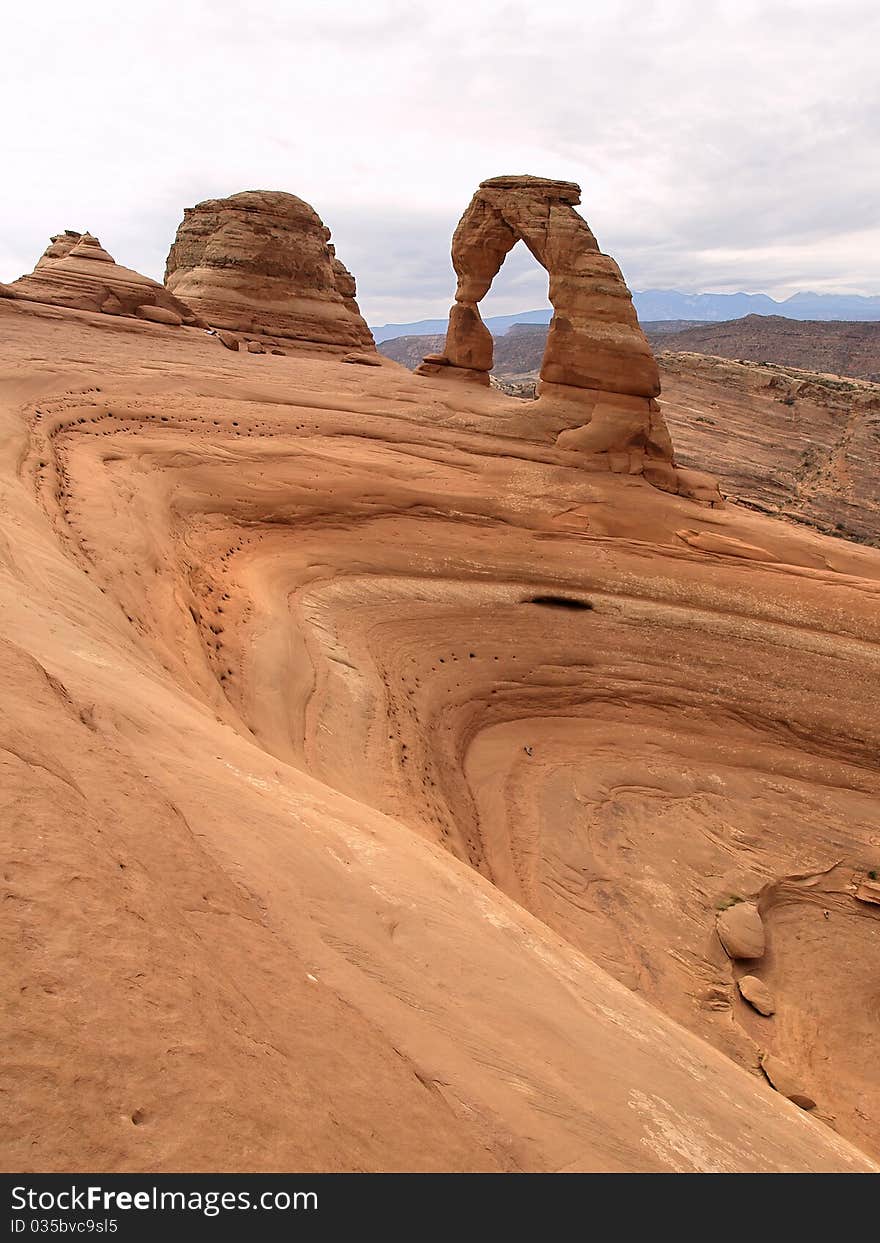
point(598, 368)
point(595, 341)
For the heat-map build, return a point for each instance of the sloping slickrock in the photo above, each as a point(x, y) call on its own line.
point(76, 271)
point(323, 812)
point(261, 261)
point(780, 440)
point(741, 931)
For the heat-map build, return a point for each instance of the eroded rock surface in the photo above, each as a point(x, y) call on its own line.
point(77, 272)
point(355, 735)
point(261, 261)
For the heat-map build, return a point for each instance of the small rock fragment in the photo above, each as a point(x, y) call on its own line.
point(255, 347)
point(229, 339)
point(869, 891)
point(783, 1079)
point(757, 994)
point(158, 315)
point(363, 360)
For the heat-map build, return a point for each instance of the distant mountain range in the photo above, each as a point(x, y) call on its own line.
point(657, 304)
point(843, 348)
point(669, 304)
point(497, 325)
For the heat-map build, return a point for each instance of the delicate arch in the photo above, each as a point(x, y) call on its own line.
point(594, 340)
point(598, 372)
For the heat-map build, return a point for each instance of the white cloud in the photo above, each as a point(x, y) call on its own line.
point(720, 145)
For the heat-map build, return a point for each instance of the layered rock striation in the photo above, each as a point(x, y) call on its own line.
point(596, 357)
point(261, 261)
point(76, 271)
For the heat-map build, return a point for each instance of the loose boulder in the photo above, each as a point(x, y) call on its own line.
point(741, 931)
point(785, 1081)
point(159, 315)
point(757, 994)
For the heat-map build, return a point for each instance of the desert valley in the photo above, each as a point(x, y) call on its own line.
point(430, 764)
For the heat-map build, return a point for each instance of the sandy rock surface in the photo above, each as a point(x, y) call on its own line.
point(373, 772)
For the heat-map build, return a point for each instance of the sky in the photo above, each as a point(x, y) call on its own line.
point(720, 145)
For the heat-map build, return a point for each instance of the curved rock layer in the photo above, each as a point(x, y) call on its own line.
point(261, 261)
point(597, 360)
point(76, 271)
point(373, 777)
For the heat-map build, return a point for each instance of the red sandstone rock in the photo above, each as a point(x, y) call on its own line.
point(869, 891)
point(741, 931)
point(77, 272)
point(468, 340)
point(784, 1080)
point(594, 340)
point(757, 994)
point(213, 846)
point(159, 315)
point(261, 261)
point(598, 373)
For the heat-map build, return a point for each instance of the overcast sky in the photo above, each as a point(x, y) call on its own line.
point(720, 145)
